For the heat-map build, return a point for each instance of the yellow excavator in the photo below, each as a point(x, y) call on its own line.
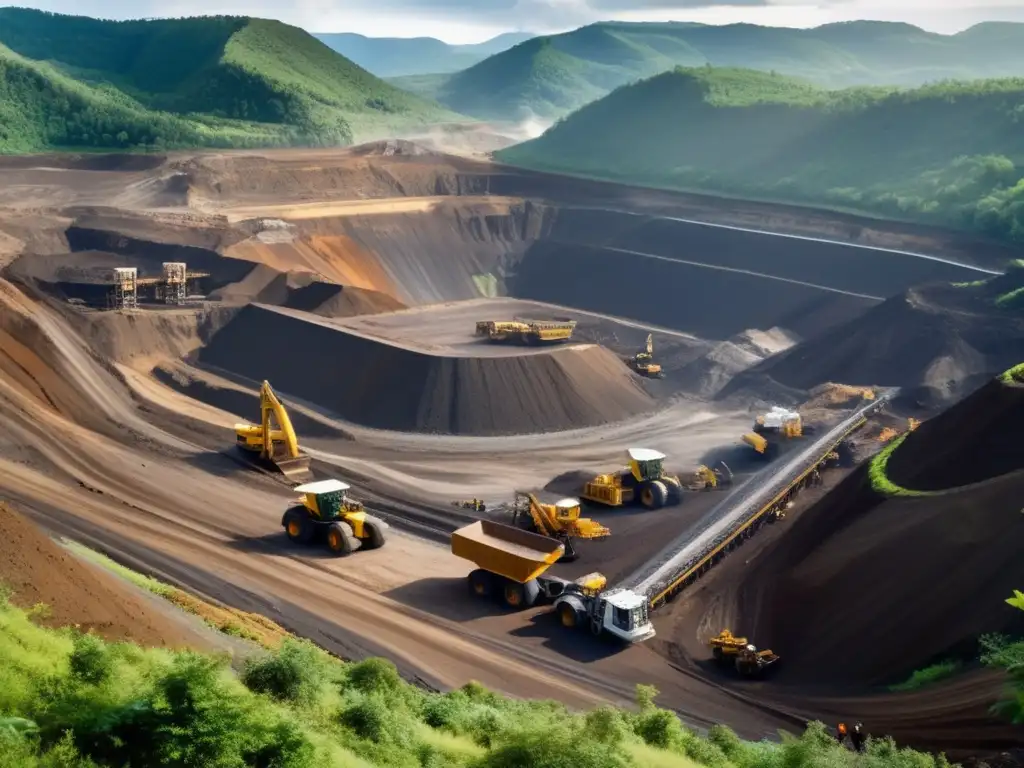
point(748, 661)
point(560, 520)
point(643, 361)
point(706, 479)
point(772, 427)
point(278, 448)
point(324, 512)
point(644, 480)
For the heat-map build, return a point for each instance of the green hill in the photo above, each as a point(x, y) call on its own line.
point(401, 56)
point(76, 82)
point(950, 153)
point(551, 76)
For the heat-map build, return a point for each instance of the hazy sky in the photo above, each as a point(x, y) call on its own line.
point(466, 21)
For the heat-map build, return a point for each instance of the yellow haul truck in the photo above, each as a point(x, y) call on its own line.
point(511, 565)
point(325, 512)
point(520, 331)
point(279, 447)
point(749, 662)
point(560, 521)
point(644, 481)
point(771, 428)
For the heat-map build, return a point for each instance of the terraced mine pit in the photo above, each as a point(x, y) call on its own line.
point(353, 281)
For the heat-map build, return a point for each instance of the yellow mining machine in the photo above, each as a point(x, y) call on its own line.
point(278, 448)
point(748, 661)
point(888, 433)
point(643, 361)
point(706, 479)
point(560, 520)
point(771, 428)
point(519, 331)
point(643, 481)
point(325, 513)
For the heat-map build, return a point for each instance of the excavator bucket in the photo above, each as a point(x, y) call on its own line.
point(295, 470)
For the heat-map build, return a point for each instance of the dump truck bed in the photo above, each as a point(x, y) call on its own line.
point(507, 551)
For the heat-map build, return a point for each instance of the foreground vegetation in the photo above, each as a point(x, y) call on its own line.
point(76, 82)
point(950, 153)
point(550, 76)
point(72, 700)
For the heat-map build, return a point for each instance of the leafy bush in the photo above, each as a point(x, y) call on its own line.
point(928, 675)
point(73, 701)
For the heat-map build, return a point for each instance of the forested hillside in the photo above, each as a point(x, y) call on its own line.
point(550, 76)
point(401, 56)
point(950, 153)
point(76, 82)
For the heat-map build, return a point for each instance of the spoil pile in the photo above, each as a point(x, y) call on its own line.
point(977, 440)
point(939, 343)
point(385, 386)
point(901, 562)
point(39, 571)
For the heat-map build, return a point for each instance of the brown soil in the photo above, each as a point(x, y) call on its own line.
point(976, 440)
point(385, 386)
point(39, 571)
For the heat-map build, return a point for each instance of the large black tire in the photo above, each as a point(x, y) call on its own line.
point(675, 490)
point(481, 583)
point(570, 614)
point(340, 540)
point(373, 535)
point(298, 525)
point(653, 494)
point(520, 596)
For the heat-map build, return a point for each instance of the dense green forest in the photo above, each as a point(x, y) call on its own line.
point(76, 82)
point(950, 153)
point(400, 56)
point(69, 700)
point(550, 76)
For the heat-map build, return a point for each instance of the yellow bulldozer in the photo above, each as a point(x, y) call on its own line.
point(738, 651)
point(643, 481)
point(643, 361)
point(771, 428)
point(706, 479)
point(531, 332)
point(325, 513)
point(560, 520)
point(275, 447)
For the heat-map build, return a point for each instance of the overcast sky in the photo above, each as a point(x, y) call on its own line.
point(468, 21)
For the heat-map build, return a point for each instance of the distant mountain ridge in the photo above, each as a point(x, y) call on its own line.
point(399, 56)
point(553, 75)
point(73, 81)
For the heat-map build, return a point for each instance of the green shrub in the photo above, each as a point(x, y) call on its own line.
point(90, 662)
point(928, 675)
point(296, 673)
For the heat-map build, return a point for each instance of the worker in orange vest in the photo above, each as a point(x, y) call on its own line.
point(841, 733)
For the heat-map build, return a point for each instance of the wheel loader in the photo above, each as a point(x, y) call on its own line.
point(705, 478)
point(560, 521)
point(325, 513)
point(742, 655)
point(771, 428)
point(643, 363)
point(277, 448)
point(643, 481)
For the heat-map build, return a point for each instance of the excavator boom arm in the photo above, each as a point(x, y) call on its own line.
point(269, 404)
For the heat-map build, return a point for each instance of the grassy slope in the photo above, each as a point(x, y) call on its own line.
point(72, 700)
point(601, 57)
point(950, 153)
point(78, 82)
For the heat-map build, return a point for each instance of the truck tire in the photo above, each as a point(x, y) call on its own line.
point(653, 494)
point(374, 538)
point(297, 525)
point(520, 596)
point(481, 583)
point(571, 612)
point(340, 540)
point(675, 489)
